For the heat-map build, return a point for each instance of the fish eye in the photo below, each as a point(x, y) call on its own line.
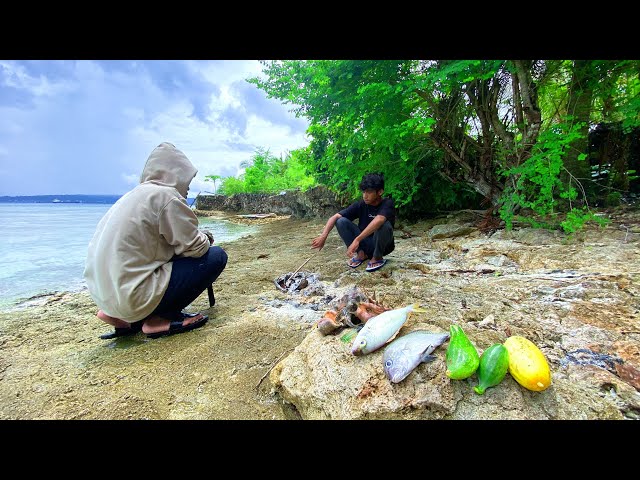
point(388, 363)
point(363, 342)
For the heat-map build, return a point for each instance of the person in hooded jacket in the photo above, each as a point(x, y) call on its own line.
point(148, 259)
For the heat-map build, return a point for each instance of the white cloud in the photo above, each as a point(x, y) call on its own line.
point(276, 138)
point(89, 126)
point(131, 179)
point(226, 72)
point(16, 76)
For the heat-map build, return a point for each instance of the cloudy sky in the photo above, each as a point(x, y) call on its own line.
point(87, 127)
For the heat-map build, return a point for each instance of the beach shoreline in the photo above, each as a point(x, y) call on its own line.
point(41, 295)
point(54, 366)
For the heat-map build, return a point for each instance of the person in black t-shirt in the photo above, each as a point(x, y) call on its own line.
point(372, 237)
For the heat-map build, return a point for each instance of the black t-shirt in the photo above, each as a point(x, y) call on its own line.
point(365, 213)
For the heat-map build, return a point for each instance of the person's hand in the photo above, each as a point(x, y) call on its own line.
point(209, 236)
point(318, 242)
point(353, 248)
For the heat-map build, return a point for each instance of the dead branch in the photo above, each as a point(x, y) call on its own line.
point(484, 271)
point(271, 368)
point(286, 284)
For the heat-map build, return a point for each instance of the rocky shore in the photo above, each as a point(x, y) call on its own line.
point(261, 356)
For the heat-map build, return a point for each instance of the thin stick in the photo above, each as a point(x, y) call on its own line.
point(303, 264)
point(274, 364)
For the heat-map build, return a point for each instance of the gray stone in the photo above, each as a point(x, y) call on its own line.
point(315, 202)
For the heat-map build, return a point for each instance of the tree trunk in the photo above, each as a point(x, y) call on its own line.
point(475, 179)
point(579, 107)
point(474, 159)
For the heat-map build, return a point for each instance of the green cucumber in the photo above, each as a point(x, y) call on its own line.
point(461, 358)
point(494, 363)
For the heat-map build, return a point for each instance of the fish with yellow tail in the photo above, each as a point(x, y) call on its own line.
point(381, 329)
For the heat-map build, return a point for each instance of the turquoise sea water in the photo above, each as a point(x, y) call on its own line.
point(43, 246)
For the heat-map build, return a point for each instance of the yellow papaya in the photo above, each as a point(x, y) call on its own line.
point(527, 364)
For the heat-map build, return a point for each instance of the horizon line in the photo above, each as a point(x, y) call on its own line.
point(72, 195)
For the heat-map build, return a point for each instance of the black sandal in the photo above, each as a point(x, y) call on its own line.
point(124, 331)
point(178, 327)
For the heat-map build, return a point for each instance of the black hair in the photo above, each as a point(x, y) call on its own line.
point(374, 181)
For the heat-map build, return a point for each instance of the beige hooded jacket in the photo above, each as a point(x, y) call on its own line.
point(128, 263)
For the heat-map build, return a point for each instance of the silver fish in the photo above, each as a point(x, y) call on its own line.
point(405, 353)
point(380, 329)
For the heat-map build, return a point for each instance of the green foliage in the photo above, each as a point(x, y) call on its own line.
point(446, 76)
point(537, 184)
point(613, 199)
point(630, 109)
point(213, 178)
point(231, 186)
point(617, 92)
point(265, 173)
point(364, 117)
point(553, 91)
point(614, 84)
point(576, 218)
point(296, 173)
point(397, 117)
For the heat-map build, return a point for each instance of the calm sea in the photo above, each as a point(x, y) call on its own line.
point(43, 246)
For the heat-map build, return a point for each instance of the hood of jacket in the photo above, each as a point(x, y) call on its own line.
point(170, 167)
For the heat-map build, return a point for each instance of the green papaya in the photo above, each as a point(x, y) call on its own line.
point(461, 357)
point(494, 363)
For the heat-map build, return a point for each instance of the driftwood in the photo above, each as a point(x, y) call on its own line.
point(286, 284)
point(258, 215)
point(484, 271)
point(289, 283)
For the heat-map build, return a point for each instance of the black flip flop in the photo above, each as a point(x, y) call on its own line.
point(124, 331)
point(178, 327)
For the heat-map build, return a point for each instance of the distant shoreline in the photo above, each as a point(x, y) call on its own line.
point(60, 199)
point(93, 199)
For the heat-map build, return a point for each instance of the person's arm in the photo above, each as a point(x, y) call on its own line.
point(318, 242)
point(179, 227)
point(375, 224)
point(209, 236)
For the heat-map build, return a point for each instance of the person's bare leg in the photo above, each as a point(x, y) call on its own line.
point(157, 324)
point(113, 321)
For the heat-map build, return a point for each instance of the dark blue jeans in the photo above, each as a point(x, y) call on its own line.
point(189, 278)
point(377, 245)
